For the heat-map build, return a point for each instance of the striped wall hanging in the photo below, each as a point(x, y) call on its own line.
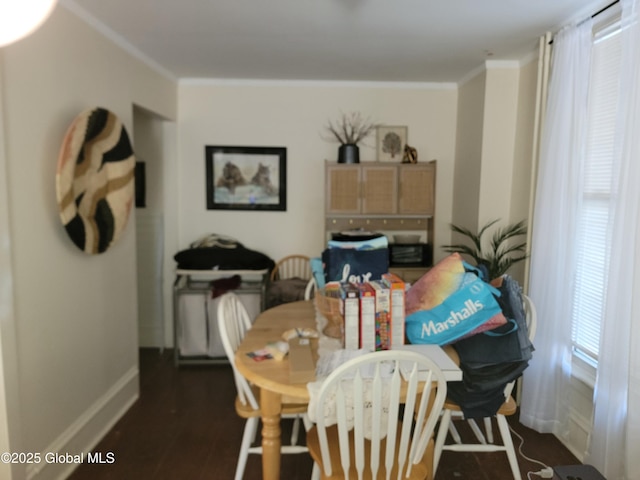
point(95, 180)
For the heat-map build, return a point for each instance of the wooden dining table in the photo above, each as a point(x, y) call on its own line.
point(272, 376)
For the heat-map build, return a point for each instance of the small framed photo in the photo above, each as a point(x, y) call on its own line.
point(390, 142)
point(246, 178)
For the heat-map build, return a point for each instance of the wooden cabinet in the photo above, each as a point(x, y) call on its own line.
point(380, 189)
point(416, 189)
point(355, 189)
point(382, 197)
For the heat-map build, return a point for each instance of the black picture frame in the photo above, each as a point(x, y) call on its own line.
point(140, 185)
point(246, 178)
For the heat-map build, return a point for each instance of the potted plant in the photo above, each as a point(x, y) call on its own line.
point(500, 255)
point(350, 130)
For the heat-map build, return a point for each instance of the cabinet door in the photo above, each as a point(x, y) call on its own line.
point(343, 189)
point(417, 189)
point(379, 190)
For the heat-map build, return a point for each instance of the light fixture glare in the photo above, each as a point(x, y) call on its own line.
point(19, 18)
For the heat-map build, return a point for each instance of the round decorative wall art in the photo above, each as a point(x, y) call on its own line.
point(95, 180)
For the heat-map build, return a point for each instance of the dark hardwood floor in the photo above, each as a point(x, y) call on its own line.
point(184, 426)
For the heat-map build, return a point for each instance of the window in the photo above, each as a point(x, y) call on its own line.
point(593, 223)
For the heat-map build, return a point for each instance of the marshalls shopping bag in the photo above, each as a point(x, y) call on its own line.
point(452, 303)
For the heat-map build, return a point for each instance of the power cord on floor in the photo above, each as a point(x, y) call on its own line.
point(546, 472)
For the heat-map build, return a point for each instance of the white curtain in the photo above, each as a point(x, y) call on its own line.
point(614, 447)
point(558, 193)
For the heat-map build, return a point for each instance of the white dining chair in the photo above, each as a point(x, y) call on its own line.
point(486, 443)
point(233, 324)
point(375, 416)
point(310, 289)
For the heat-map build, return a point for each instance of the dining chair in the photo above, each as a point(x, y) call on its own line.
point(375, 416)
point(292, 266)
point(485, 443)
point(310, 289)
point(233, 324)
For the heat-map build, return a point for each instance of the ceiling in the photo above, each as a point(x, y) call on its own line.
point(339, 40)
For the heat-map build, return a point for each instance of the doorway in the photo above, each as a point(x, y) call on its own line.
point(149, 141)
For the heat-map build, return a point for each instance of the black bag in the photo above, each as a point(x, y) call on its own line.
point(491, 359)
point(505, 343)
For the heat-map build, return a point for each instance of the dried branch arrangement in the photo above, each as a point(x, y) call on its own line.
point(350, 128)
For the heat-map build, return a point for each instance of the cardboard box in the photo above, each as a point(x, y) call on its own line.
point(302, 368)
point(383, 314)
point(397, 287)
point(351, 299)
point(367, 317)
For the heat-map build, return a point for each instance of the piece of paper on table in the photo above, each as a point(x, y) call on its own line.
point(260, 355)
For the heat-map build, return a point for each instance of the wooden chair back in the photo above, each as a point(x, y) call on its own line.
point(374, 436)
point(292, 266)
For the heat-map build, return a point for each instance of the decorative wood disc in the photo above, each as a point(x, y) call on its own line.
point(95, 180)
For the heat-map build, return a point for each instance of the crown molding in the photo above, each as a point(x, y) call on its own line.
point(241, 82)
point(115, 38)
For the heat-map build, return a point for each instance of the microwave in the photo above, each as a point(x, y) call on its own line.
point(410, 255)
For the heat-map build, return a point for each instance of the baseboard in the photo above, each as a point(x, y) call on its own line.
point(579, 430)
point(87, 431)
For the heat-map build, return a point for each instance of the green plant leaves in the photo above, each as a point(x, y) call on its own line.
point(500, 254)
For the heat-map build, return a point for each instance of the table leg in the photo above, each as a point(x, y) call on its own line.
point(271, 406)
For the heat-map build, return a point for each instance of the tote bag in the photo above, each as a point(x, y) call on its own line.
point(355, 266)
point(470, 306)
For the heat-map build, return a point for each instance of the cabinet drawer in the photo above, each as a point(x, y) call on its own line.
point(376, 223)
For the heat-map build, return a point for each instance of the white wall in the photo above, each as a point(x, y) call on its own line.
point(494, 144)
point(75, 315)
point(149, 147)
point(293, 114)
point(523, 148)
point(9, 381)
point(468, 162)
point(521, 180)
point(498, 141)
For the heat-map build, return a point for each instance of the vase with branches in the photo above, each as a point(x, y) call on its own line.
point(501, 252)
point(349, 131)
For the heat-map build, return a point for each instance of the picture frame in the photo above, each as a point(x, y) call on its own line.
point(246, 178)
point(390, 143)
point(140, 176)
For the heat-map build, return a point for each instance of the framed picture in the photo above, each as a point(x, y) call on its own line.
point(390, 142)
point(140, 185)
point(246, 178)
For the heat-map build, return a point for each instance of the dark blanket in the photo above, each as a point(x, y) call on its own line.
point(285, 291)
point(208, 258)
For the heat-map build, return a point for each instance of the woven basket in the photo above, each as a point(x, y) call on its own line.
point(331, 309)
